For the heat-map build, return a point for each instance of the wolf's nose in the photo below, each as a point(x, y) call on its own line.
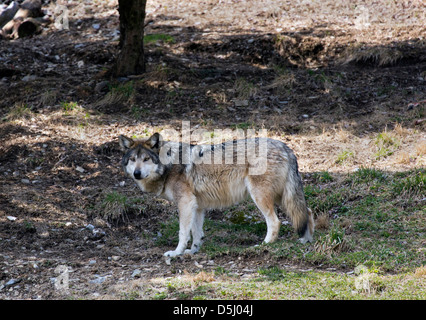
point(137, 174)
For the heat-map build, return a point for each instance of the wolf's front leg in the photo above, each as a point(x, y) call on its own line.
point(187, 210)
point(197, 232)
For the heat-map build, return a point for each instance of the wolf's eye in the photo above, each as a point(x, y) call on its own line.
point(146, 159)
point(132, 159)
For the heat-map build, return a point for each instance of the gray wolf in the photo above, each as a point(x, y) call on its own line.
point(195, 186)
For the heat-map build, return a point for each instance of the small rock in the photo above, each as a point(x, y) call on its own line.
point(136, 273)
point(98, 280)
point(80, 169)
point(11, 282)
point(241, 103)
point(11, 218)
point(123, 79)
point(97, 234)
point(100, 223)
point(28, 78)
point(26, 181)
point(101, 86)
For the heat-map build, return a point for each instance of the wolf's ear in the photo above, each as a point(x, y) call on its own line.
point(125, 143)
point(154, 142)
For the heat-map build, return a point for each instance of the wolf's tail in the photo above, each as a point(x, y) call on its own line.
point(294, 203)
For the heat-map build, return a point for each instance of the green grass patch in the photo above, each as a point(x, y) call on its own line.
point(114, 206)
point(274, 282)
point(153, 38)
point(414, 184)
point(343, 156)
point(367, 175)
point(322, 177)
point(18, 111)
point(122, 89)
point(386, 143)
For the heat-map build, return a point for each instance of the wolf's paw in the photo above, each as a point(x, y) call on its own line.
point(191, 251)
point(172, 254)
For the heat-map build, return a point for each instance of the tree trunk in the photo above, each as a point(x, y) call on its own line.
point(131, 57)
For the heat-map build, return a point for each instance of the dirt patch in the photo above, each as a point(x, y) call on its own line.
point(315, 75)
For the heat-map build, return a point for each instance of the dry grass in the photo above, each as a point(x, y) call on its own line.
point(402, 157)
point(380, 56)
point(282, 82)
point(333, 242)
point(244, 89)
point(201, 277)
point(19, 111)
point(420, 148)
point(322, 222)
point(369, 20)
point(420, 272)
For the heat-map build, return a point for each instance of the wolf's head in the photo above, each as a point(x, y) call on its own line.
point(141, 161)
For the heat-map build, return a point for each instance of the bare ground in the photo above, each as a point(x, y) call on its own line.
point(322, 77)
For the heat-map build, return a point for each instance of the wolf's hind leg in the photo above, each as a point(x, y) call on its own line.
point(265, 202)
point(197, 232)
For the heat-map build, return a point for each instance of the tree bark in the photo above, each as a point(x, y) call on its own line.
point(131, 58)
